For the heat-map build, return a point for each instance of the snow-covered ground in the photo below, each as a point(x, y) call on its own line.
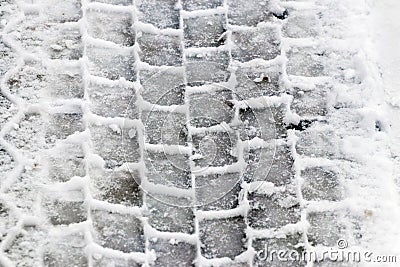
point(382, 32)
point(116, 150)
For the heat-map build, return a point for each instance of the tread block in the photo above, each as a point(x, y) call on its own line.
point(65, 84)
point(207, 67)
point(116, 146)
point(68, 212)
point(111, 26)
point(273, 211)
point(27, 83)
point(25, 249)
point(163, 87)
point(65, 162)
point(265, 123)
point(212, 108)
point(122, 232)
point(311, 103)
point(167, 128)
point(302, 24)
point(117, 187)
point(170, 218)
point(222, 238)
point(306, 61)
point(191, 5)
point(66, 209)
point(218, 191)
point(160, 50)
point(111, 64)
point(259, 123)
point(321, 184)
point(261, 43)
point(256, 82)
point(248, 12)
point(325, 228)
point(27, 137)
point(272, 246)
point(104, 98)
point(259, 162)
point(173, 254)
point(169, 170)
point(204, 31)
point(162, 14)
point(66, 251)
point(281, 172)
point(317, 142)
point(62, 125)
point(25, 191)
point(55, 40)
point(64, 43)
point(33, 37)
point(63, 11)
point(214, 149)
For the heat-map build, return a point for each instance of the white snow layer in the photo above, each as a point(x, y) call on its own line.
point(380, 151)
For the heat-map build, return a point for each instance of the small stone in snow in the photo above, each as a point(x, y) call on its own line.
point(69, 43)
point(132, 133)
point(56, 47)
point(259, 79)
point(173, 241)
point(115, 128)
point(262, 78)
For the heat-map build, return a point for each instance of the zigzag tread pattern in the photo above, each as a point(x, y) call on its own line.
point(100, 98)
